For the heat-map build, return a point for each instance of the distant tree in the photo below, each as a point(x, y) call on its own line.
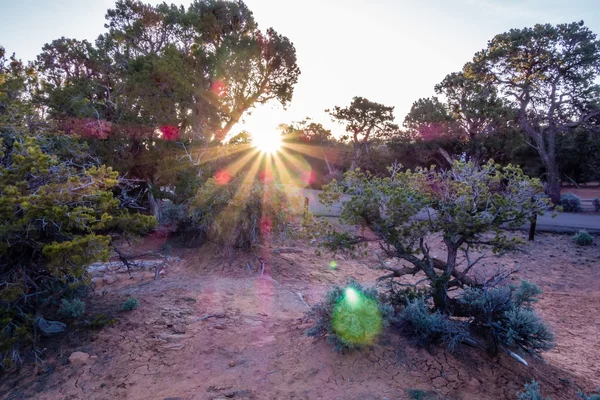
point(470, 114)
point(315, 144)
point(365, 122)
point(429, 119)
point(307, 131)
point(244, 137)
point(16, 111)
point(429, 122)
point(549, 72)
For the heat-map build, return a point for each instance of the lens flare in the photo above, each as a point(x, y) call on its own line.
point(267, 143)
point(356, 318)
point(351, 296)
point(333, 265)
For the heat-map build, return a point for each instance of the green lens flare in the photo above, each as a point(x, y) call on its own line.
point(351, 296)
point(356, 318)
point(333, 265)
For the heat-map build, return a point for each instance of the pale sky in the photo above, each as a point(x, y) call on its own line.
point(389, 51)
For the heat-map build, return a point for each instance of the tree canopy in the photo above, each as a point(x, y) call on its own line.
point(365, 122)
point(549, 74)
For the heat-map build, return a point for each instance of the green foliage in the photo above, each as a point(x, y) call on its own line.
point(468, 206)
point(240, 213)
point(340, 241)
point(593, 396)
point(58, 214)
point(570, 202)
point(428, 327)
point(418, 394)
point(505, 317)
point(400, 298)
point(582, 238)
point(532, 392)
point(130, 304)
point(173, 214)
point(350, 317)
point(182, 67)
point(549, 73)
point(73, 309)
point(100, 321)
point(365, 122)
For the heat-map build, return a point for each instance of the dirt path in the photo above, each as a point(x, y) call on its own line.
point(212, 330)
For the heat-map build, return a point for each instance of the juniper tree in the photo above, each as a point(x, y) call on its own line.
point(468, 206)
point(58, 214)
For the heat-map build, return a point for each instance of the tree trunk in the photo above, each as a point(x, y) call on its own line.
point(440, 295)
point(154, 204)
point(552, 181)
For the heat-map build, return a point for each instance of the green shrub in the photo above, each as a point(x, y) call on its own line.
point(399, 299)
point(58, 214)
point(470, 205)
point(172, 214)
point(418, 394)
point(596, 204)
point(505, 318)
point(73, 309)
point(570, 202)
point(532, 392)
point(429, 328)
point(130, 304)
point(100, 321)
point(350, 317)
point(594, 396)
point(239, 214)
point(582, 238)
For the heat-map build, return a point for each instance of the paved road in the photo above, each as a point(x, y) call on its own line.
point(563, 222)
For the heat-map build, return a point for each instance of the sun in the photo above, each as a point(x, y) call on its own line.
point(268, 143)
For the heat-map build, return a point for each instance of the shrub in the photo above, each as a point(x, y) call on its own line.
point(582, 238)
point(239, 214)
point(101, 320)
point(172, 214)
point(429, 328)
point(570, 202)
point(594, 396)
point(418, 394)
point(58, 214)
point(399, 299)
point(596, 204)
point(350, 317)
point(470, 205)
point(532, 392)
point(130, 304)
point(73, 309)
point(505, 318)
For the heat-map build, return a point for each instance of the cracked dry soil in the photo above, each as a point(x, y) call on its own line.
point(213, 329)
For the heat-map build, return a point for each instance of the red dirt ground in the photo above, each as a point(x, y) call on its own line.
point(254, 345)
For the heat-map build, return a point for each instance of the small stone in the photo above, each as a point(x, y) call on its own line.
point(79, 358)
point(474, 383)
point(232, 364)
point(220, 327)
point(108, 279)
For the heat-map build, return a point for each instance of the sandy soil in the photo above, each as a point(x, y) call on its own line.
point(253, 345)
